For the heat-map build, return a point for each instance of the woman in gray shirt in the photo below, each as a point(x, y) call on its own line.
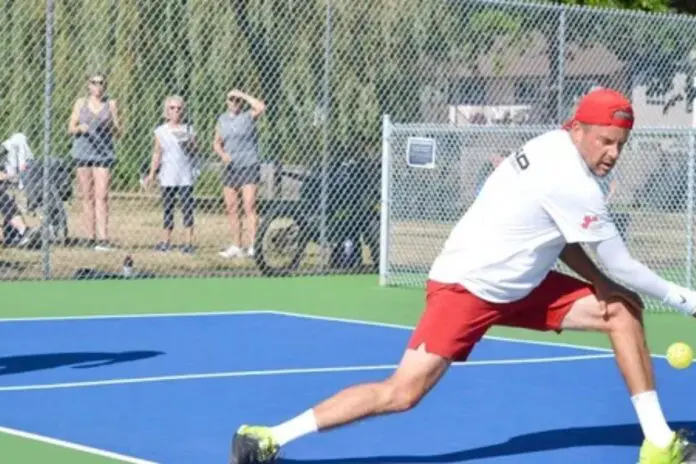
point(236, 143)
point(94, 124)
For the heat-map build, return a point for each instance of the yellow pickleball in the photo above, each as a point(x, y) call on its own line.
point(680, 355)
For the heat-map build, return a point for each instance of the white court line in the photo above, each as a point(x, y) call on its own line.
point(132, 316)
point(271, 372)
point(73, 446)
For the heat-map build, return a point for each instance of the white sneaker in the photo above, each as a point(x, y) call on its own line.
point(233, 251)
point(102, 245)
point(250, 251)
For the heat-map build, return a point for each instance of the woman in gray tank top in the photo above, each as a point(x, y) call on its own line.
point(236, 143)
point(94, 124)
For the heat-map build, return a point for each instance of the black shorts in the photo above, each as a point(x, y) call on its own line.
point(237, 177)
point(107, 164)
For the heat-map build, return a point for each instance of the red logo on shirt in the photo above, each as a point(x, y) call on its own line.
point(587, 220)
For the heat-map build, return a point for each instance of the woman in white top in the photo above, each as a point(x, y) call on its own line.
point(175, 142)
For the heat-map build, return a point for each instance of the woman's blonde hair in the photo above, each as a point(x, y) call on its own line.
point(97, 72)
point(174, 98)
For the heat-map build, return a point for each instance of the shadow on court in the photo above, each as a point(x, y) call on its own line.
point(78, 360)
point(608, 435)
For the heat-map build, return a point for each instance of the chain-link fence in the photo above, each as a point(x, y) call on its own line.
point(650, 199)
point(195, 138)
point(291, 182)
point(521, 70)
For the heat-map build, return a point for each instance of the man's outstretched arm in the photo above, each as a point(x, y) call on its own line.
point(567, 207)
point(575, 257)
point(615, 257)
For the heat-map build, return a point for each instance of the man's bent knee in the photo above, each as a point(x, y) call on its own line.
point(416, 375)
point(400, 396)
point(623, 316)
point(588, 314)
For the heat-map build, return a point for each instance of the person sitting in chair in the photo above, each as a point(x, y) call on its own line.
point(15, 156)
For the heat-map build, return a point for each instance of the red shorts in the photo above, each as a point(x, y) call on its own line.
point(454, 319)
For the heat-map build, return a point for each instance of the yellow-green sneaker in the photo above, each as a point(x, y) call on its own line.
point(254, 445)
point(679, 451)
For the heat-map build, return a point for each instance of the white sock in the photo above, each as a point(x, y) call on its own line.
point(303, 424)
point(652, 421)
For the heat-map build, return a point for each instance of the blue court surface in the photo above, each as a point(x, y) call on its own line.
point(173, 389)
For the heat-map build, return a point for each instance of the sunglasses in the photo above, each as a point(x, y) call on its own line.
point(234, 99)
point(96, 81)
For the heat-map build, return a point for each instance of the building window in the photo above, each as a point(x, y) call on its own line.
point(469, 91)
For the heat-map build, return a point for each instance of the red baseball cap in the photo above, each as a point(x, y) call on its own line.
point(603, 107)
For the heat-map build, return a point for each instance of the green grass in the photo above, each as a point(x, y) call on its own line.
point(355, 297)
point(21, 450)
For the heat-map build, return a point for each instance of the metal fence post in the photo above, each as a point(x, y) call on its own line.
point(324, 238)
point(561, 64)
point(690, 196)
point(384, 204)
point(46, 187)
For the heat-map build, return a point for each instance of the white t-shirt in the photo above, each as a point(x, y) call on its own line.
point(175, 166)
point(535, 202)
